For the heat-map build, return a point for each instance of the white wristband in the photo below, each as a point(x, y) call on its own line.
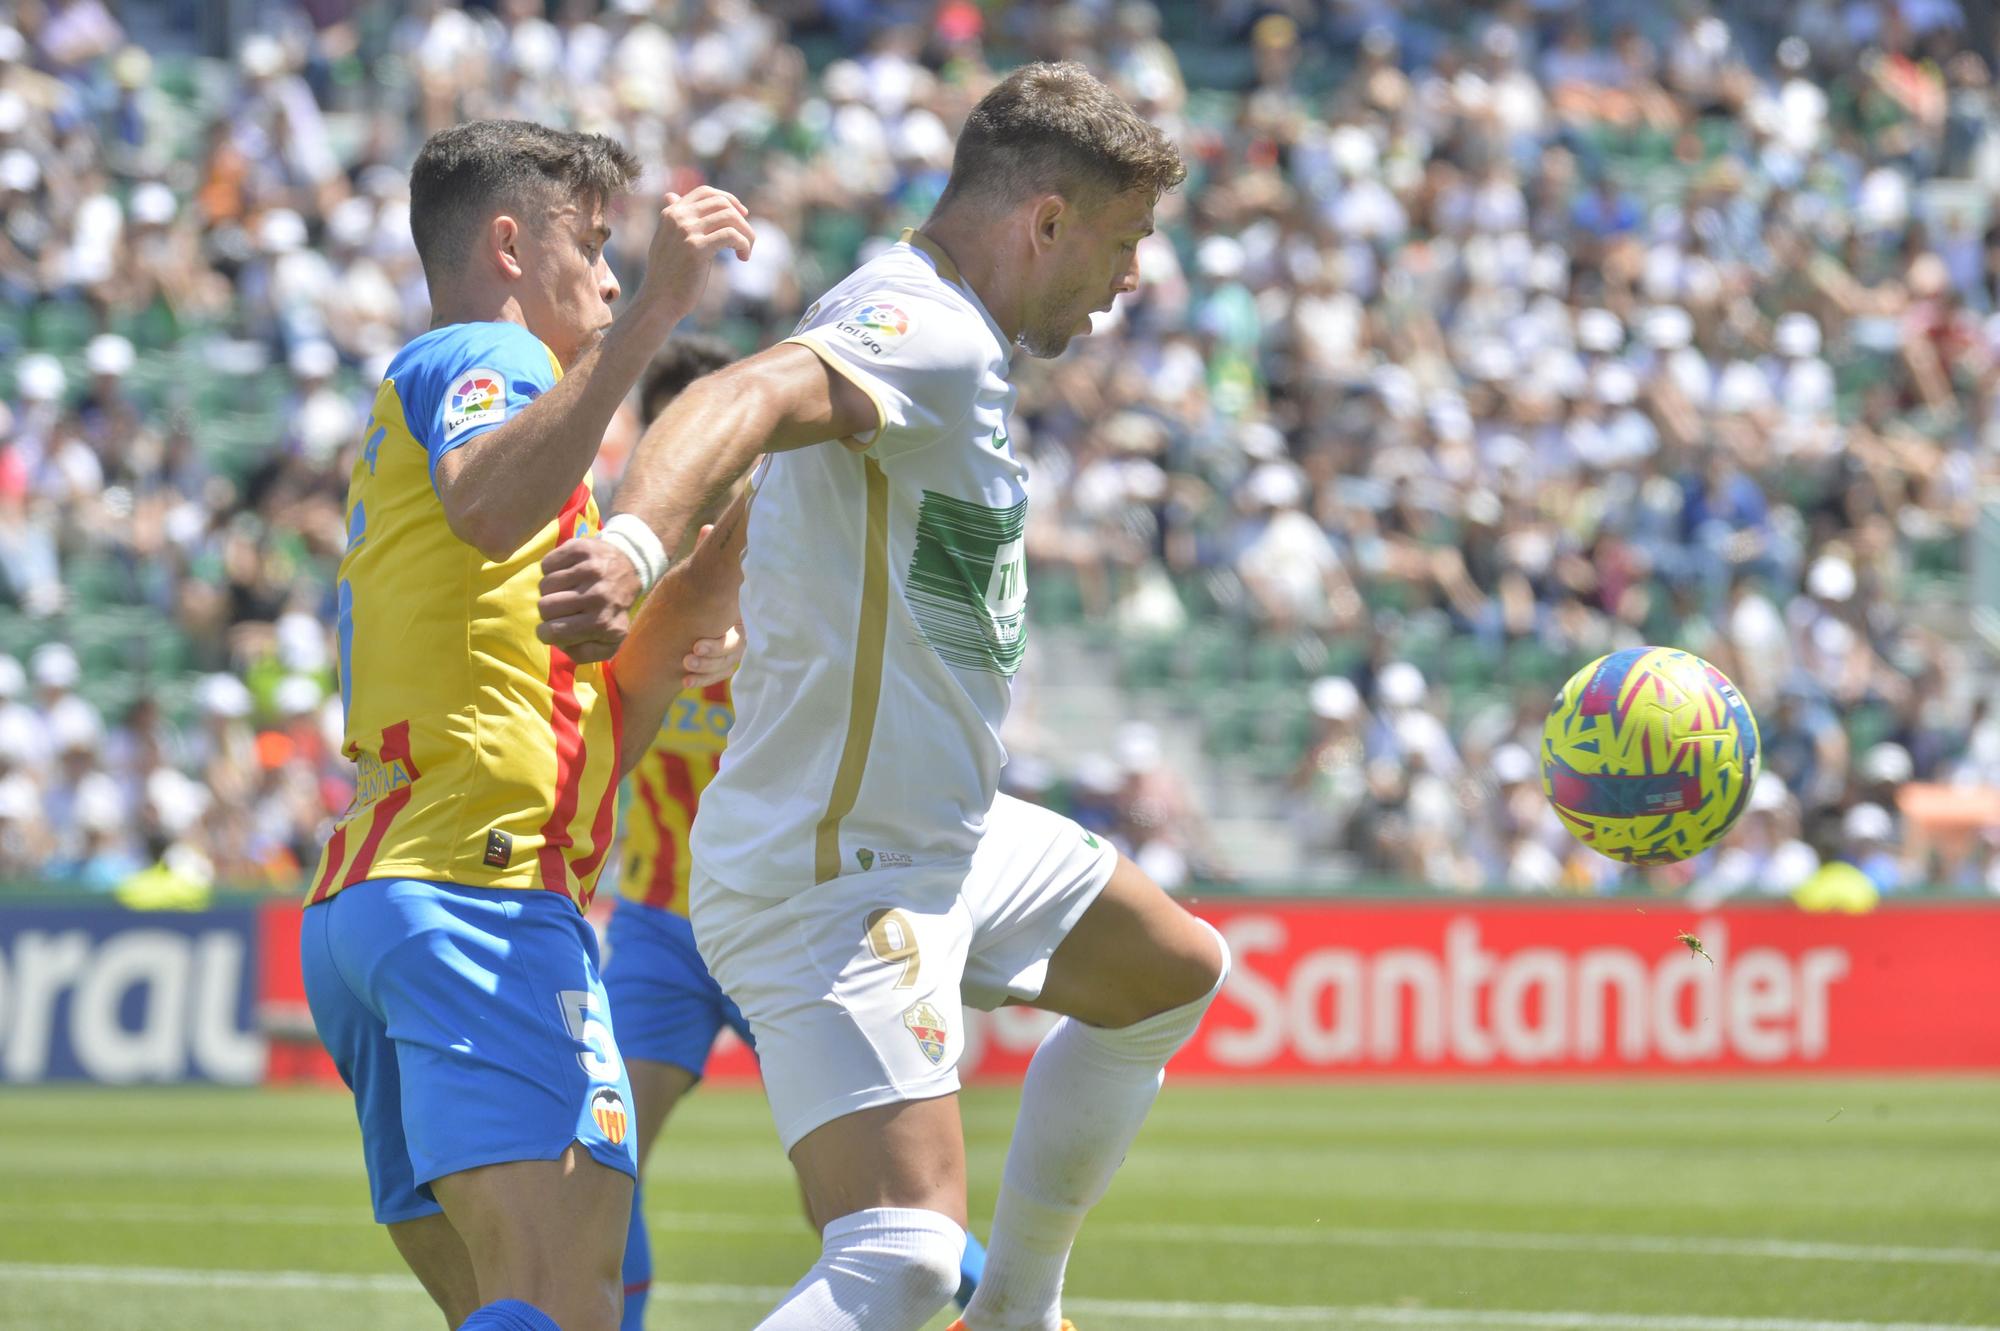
point(636, 541)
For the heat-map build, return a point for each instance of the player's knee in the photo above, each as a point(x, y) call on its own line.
point(1185, 977)
point(1209, 965)
point(1176, 1008)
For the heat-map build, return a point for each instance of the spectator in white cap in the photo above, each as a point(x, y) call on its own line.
point(1803, 382)
point(1868, 833)
point(14, 709)
point(76, 738)
point(24, 844)
point(1285, 557)
point(1764, 856)
point(224, 748)
point(1512, 840)
point(1403, 729)
point(1329, 785)
point(1158, 815)
point(56, 673)
point(98, 849)
point(296, 702)
point(39, 384)
point(110, 416)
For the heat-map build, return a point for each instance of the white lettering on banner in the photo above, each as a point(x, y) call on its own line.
point(44, 965)
point(1598, 972)
point(1264, 1039)
point(148, 958)
point(222, 1049)
point(1819, 969)
point(182, 989)
point(1463, 1002)
point(1545, 1040)
point(1418, 972)
point(1337, 1040)
point(1470, 968)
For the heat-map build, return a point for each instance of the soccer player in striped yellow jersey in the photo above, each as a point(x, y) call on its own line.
point(668, 1007)
point(448, 965)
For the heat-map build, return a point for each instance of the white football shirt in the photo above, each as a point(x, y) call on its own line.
point(884, 599)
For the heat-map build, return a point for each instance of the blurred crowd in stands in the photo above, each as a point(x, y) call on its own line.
point(1484, 338)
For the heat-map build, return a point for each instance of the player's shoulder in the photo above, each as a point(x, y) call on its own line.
point(456, 350)
point(464, 371)
point(897, 309)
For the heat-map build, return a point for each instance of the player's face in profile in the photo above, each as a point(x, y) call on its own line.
point(570, 285)
point(1097, 259)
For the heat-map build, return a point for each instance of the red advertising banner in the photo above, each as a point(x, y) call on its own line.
point(1550, 988)
point(1326, 989)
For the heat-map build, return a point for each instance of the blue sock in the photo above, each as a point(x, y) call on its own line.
point(638, 1268)
point(970, 1268)
point(509, 1315)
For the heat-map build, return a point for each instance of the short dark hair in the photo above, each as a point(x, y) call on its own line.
point(684, 360)
point(1055, 129)
point(463, 175)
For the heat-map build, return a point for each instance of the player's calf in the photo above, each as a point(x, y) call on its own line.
point(1138, 974)
point(548, 1234)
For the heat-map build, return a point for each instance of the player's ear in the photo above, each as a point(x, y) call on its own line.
point(503, 236)
point(1051, 215)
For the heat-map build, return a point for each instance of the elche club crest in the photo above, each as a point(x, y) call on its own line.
point(926, 1024)
point(608, 1108)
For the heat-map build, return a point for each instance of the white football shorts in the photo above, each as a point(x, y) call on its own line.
point(855, 989)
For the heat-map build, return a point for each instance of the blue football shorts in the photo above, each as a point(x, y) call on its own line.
point(670, 1009)
point(473, 1028)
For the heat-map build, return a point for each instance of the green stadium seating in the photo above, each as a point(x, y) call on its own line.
point(1055, 597)
point(60, 326)
point(1146, 661)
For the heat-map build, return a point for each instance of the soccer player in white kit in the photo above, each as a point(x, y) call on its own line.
point(858, 880)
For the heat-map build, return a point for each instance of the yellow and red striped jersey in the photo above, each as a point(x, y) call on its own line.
point(666, 787)
point(486, 758)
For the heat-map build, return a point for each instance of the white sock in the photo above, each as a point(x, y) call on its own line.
point(886, 1269)
point(1087, 1092)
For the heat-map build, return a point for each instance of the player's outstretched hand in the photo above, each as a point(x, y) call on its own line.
point(588, 587)
point(694, 228)
point(713, 660)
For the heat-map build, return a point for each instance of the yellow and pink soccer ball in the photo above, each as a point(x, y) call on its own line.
point(1649, 755)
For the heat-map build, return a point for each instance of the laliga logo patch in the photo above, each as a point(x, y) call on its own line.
point(476, 398)
point(608, 1108)
point(875, 323)
point(883, 318)
point(927, 1026)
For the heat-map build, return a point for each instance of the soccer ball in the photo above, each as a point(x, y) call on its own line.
point(1649, 755)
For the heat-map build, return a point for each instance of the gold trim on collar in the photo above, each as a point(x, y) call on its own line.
point(948, 270)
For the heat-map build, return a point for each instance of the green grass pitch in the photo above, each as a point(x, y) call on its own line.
point(1780, 1205)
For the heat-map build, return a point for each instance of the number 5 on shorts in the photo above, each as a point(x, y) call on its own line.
point(580, 1013)
point(892, 938)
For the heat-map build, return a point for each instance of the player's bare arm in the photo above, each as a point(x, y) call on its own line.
point(684, 468)
point(693, 607)
point(504, 486)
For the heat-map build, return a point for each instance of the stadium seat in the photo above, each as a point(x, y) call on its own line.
point(1275, 660)
point(60, 326)
point(97, 580)
point(1146, 661)
point(1055, 597)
